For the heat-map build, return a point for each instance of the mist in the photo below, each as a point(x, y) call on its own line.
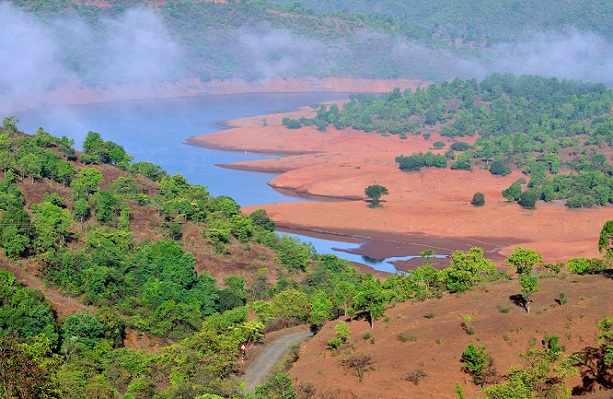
point(135, 51)
point(36, 57)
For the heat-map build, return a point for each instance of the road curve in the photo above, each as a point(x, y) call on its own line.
point(256, 374)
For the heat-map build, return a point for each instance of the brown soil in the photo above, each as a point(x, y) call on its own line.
point(63, 305)
point(436, 344)
point(432, 204)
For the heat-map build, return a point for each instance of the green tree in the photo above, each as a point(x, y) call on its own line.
point(467, 269)
point(321, 307)
point(478, 363)
point(87, 180)
point(528, 199)
point(279, 387)
point(370, 299)
point(529, 285)
point(524, 260)
point(478, 199)
point(513, 193)
point(291, 304)
point(9, 124)
point(374, 192)
point(605, 240)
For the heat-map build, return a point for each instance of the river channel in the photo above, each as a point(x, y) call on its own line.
point(155, 131)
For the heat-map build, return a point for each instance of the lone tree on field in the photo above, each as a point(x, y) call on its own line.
point(478, 199)
point(375, 192)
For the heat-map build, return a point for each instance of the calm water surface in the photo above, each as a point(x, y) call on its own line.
point(155, 131)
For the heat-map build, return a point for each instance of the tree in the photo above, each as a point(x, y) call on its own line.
point(360, 363)
point(499, 168)
point(478, 199)
point(369, 298)
point(529, 285)
point(524, 260)
point(9, 124)
point(87, 180)
point(513, 193)
point(528, 199)
point(605, 241)
point(478, 363)
point(374, 192)
point(279, 387)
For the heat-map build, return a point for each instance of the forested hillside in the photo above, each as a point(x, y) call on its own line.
point(141, 248)
point(261, 39)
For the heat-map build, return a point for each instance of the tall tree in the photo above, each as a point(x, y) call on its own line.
point(374, 192)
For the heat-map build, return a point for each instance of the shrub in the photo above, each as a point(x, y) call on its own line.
point(460, 146)
point(415, 376)
point(478, 199)
point(499, 168)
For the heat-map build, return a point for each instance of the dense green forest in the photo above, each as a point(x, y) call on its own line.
point(74, 218)
point(557, 132)
point(260, 39)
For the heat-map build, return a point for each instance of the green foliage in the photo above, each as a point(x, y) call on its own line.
point(499, 168)
point(478, 199)
point(605, 239)
point(340, 337)
point(524, 260)
point(513, 193)
point(477, 362)
point(528, 199)
point(585, 265)
point(370, 298)
point(24, 311)
point(529, 285)
point(291, 304)
point(279, 387)
point(417, 161)
point(82, 327)
point(466, 270)
point(374, 192)
point(28, 368)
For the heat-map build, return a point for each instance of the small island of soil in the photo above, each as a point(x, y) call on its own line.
point(429, 208)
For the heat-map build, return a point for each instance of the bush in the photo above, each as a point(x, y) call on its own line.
point(584, 265)
point(528, 199)
point(478, 199)
point(499, 168)
point(460, 146)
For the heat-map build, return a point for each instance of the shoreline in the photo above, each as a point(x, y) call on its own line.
point(426, 209)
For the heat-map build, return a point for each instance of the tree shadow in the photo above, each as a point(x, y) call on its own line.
point(518, 300)
point(607, 273)
point(594, 372)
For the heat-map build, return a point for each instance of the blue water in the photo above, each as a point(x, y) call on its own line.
point(155, 131)
point(342, 250)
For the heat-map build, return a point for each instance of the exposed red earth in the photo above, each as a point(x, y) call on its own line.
point(430, 207)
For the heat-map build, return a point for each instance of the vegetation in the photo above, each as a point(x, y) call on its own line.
point(540, 126)
point(375, 192)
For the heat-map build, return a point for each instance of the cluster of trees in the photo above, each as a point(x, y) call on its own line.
point(83, 243)
point(524, 123)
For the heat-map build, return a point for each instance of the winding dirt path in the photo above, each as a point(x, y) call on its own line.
point(256, 374)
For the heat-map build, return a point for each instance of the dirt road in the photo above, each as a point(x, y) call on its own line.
point(256, 374)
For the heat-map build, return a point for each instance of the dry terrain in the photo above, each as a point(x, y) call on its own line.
point(431, 205)
point(434, 340)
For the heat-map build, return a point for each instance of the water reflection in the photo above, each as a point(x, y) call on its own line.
point(351, 251)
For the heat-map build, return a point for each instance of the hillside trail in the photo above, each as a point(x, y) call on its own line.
point(271, 355)
point(63, 305)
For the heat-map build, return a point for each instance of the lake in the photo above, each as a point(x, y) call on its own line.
point(155, 131)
